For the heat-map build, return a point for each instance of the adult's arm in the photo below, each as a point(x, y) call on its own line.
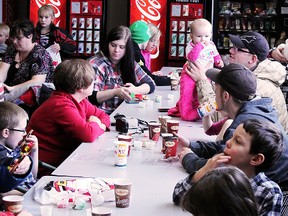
point(277, 54)
point(65, 40)
point(144, 83)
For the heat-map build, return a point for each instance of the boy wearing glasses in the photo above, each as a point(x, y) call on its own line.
point(13, 121)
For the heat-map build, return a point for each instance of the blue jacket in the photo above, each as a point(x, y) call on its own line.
point(8, 181)
point(256, 109)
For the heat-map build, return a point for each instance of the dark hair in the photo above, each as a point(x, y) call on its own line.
point(72, 75)
point(127, 63)
point(266, 139)
point(23, 26)
point(10, 115)
point(222, 191)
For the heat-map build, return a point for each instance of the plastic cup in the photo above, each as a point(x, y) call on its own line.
point(122, 193)
point(13, 203)
point(149, 145)
point(101, 211)
point(138, 145)
point(154, 131)
point(121, 153)
point(172, 126)
point(174, 84)
point(46, 210)
point(163, 120)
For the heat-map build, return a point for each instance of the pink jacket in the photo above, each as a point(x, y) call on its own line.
point(186, 107)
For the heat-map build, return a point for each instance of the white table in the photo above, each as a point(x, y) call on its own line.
point(153, 178)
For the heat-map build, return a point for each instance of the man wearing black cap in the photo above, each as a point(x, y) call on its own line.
point(251, 49)
point(235, 91)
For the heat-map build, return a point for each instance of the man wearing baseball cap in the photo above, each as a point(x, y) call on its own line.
point(251, 49)
point(235, 89)
point(140, 34)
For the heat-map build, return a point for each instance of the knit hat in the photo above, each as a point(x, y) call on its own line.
point(236, 79)
point(140, 32)
point(254, 42)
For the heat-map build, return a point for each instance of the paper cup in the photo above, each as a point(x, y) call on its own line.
point(165, 137)
point(163, 120)
point(172, 126)
point(101, 211)
point(174, 84)
point(122, 193)
point(121, 153)
point(126, 138)
point(46, 210)
point(138, 145)
point(154, 131)
point(13, 203)
point(171, 145)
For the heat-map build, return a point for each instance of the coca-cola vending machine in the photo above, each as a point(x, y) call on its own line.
point(152, 12)
point(180, 14)
point(82, 18)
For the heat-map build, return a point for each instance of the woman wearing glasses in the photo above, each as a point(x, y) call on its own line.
point(25, 63)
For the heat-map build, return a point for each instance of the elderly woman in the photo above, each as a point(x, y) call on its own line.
point(25, 63)
point(117, 73)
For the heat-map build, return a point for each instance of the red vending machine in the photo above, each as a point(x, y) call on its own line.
point(86, 25)
point(152, 12)
point(180, 15)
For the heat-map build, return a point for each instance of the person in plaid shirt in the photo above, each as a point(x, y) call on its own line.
point(117, 73)
point(255, 146)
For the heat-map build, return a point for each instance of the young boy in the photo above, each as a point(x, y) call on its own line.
point(4, 35)
point(254, 148)
point(67, 118)
point(13, 121)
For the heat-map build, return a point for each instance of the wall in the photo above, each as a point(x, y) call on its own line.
point(117, 13)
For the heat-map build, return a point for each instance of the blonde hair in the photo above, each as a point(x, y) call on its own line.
point(47, 8)
point(155, 32)
point(200, 23)
point(5, 28)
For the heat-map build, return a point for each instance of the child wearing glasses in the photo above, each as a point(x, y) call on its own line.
point(204, 51)
point(13, 121)
point(254, 148)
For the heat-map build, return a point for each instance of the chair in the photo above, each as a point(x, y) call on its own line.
point(284, 210)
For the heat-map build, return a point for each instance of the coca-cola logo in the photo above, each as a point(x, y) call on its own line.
point(56, 4)
point(150, 13)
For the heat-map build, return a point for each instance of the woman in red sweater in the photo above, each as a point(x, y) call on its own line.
point(67, 118)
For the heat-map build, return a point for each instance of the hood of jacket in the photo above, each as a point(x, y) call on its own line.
point(271, 70)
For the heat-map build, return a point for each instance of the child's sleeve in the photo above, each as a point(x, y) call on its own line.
point(195, 51)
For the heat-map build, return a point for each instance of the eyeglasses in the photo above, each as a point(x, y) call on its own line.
point(240, 50)
point(19, 130)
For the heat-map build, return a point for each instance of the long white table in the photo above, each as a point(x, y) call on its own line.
point(153, 178)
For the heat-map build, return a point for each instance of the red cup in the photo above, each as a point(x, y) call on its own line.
point(154, 131)
point(126, 138)
point(172, 126)
point(165, 137)
point(171, 145)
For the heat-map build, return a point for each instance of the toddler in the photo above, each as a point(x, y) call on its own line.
point(4, 35)
point(203, 50)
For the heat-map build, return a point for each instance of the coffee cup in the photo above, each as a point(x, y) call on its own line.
point(122, 193)
point(163, 120)
point(128, 139)
point(13, 203)
point(174, 84)
point(121, 153)
point(154, 131)
point(165, 137)
point(172, 126)
point(171, 144)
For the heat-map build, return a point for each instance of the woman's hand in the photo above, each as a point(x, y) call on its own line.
point(123, 93)
point(277, 54)
point(9, 88)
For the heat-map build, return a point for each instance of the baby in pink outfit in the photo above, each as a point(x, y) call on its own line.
point(203, 50)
